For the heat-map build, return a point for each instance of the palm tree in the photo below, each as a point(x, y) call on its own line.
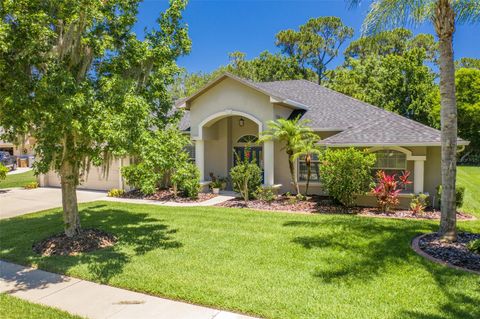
point(443, 14)
point(291, 133)
point(308, 148)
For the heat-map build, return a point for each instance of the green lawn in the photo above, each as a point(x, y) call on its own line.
point(274, 265)
point(18, 180)
point(15, 308)
point(469, 177)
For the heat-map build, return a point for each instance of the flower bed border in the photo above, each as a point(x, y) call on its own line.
point(416, 248)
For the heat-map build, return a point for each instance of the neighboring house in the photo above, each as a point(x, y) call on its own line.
point(22, 149)
point(229, 113)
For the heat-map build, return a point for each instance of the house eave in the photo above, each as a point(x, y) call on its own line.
point(460, 143)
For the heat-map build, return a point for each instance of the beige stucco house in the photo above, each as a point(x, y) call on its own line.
point(230, 113)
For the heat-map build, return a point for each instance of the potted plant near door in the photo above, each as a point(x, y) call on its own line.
point(215, 186)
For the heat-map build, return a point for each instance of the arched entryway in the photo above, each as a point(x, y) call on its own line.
point(223, 134)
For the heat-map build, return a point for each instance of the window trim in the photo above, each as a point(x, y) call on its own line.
point(384, 168)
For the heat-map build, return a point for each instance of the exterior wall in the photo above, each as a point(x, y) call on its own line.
point(95, 179)
point(432, 173)
point(433, 169)
point(230, 95)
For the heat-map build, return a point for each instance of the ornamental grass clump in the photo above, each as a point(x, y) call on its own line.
point(388, 188)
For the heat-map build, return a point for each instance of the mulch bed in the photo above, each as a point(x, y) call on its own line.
point(456, 253)
point(87, 240)
point(324, 205)
point(314, 204)
point(166, 195)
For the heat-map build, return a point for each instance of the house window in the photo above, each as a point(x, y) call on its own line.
point(190, 149)
point(390, 160)
point(314, 169)
point(249, 139)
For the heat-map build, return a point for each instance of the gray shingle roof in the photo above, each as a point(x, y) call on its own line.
point(360, 123)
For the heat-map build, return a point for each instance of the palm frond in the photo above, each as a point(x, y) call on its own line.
point(466, 11)
point(386, 14)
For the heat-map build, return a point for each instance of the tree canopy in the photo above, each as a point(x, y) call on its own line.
point(316, 44)
point(389, 70)
point(74, 77)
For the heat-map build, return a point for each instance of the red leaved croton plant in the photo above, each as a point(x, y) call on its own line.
point(388, 188)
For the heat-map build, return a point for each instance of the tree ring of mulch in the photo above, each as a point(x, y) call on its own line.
point(61, 245)
point(454, 255)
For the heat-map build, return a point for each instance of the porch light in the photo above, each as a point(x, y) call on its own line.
point(241, 122)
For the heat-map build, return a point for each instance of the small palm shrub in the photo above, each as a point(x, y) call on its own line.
point(346, 173)
point(187, 180)
point(474, 246)
point(266, 194)
point(418, 203)
point(246, 178)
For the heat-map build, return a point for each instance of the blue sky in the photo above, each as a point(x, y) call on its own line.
point(218, 27)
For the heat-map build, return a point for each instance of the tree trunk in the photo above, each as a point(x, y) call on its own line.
point(444, 21)
point(309, 173)
point(291, 165)
point(71, 218)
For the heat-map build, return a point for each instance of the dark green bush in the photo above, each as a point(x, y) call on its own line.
point(246, 178)
point(346, 173)
point(459, 196)
point(187, 180)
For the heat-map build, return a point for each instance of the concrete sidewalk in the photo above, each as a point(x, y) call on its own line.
point(209, 202)
point(93, 300)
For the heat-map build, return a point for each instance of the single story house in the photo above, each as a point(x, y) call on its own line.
point(230, 113)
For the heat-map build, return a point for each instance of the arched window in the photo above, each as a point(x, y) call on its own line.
point(248, 139)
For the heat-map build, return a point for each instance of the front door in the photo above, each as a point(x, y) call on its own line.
point(253, 154)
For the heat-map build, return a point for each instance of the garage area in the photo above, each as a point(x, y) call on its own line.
point(96, 179)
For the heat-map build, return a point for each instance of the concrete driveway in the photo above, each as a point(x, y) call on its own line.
point(15, 202)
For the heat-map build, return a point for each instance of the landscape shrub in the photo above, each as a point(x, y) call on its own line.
point(3, 171)
point(246, 178)
point(266, 194)
point(162, 153)
point(31, 185)
point(187, 180)
point(459, 196)
point(346, 173)
point(418, 203)
point(115, 192)
point(141, 177)
point(474, 246)
point(388, 188)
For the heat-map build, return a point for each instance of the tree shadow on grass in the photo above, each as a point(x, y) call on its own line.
point(373, 246)
point(136, 233)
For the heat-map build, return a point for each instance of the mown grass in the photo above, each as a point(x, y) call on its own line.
point(15, 308)
point(18, 180)
point(273, 265)
point(469, 177)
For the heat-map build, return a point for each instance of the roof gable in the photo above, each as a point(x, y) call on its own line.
point(275, 97)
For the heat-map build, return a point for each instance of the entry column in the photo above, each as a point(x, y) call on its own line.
point(200, 158)
point(268, 162)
